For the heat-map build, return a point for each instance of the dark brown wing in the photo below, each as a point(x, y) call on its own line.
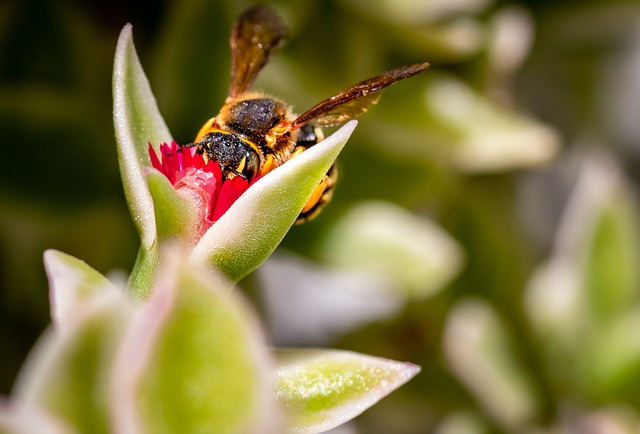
point(356, 100)
point(256, 34)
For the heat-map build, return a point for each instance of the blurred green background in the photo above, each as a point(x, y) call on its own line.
point(505, 229)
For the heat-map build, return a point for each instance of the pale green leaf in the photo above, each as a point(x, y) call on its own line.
point(592, 277)
point(386, 240)
point(73, 284)
point(137, 122)
point(490, 137)
point(193, 360)
point(482, 356)
point(321, 389)
point(252, 228)
point(462, 128)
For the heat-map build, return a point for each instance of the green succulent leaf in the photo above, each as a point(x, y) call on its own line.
point(197, 349)
point(252, 228)
point(67, 372)
point(137, 122)
point(144, 272)
point(73, 284)
point(321, 389)
point(176, 216)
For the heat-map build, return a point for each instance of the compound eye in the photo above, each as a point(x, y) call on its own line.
point(252, 165)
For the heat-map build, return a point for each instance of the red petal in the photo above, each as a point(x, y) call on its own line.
point(155, 162)
point(231, 190)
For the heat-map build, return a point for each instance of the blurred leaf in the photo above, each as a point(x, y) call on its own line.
point(18, 418)
point(67, 372)
point(417, 12)
point(455, 40)
point(482, 357)
point(612, 257)
point(73, 286)
point(511, 37)
point(381, 238)
point(612, 360)
point(196, 349)
point(462, 422)
point(450, 123)
point(321, 389)
point(492, 138)
point(592, 278)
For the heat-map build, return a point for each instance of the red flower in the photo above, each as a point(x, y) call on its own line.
point(203, 182)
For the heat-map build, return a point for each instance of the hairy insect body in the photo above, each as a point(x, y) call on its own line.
point(253, 133)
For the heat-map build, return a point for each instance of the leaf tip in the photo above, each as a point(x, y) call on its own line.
point(410, 370)
point(126, 31)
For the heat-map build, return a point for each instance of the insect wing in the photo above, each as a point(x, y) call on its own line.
point(340, 113)
point(354, 101)
point(255, 36)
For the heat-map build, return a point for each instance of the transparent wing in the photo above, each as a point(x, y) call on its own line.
point(256, 34)
point(354, 101)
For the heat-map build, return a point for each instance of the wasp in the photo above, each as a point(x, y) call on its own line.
point(254, 133)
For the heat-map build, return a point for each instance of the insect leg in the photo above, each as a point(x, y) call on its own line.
point(320, 196)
